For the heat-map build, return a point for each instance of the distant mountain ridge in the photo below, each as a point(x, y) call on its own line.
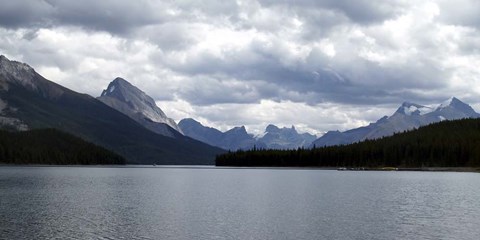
point(233, 139)
point(133, 102)
point(29, 101)
point(446, 144)
point(408, 116)
point(238, 137)
point(285, 138)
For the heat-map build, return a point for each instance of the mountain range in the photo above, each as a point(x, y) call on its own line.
point(408, 116)
point(29, 101)
point(238, 138)
point(127, 121)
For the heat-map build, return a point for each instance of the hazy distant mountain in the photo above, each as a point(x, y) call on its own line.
point(285, 138)
point(233, 139)
point(196, 130)
point(238, 137)
point(408, 116)
point(29, 101)
point(136, 104)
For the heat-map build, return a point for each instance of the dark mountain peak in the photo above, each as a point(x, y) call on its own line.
point(122, 83)
point(10, 65)
point(21, 74)
point(18, 72)
point(272, 128)
point(120, 80)
point(240, 130)
point(124, 91)
point(130, 100)
point(410, 104)
point(3, 58)
point(120, 88)
point(189, 121)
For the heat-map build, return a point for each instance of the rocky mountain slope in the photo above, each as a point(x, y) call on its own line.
point(133, 102)
point(29, 101)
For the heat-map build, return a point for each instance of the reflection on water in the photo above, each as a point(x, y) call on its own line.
point(184, 203)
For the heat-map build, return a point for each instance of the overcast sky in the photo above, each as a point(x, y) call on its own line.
point(317, 64)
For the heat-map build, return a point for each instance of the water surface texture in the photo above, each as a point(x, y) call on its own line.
point(185, 203)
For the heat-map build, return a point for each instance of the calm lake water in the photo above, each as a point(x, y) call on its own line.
point(185, 203)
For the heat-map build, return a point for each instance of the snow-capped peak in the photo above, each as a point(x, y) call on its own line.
point(454, 105)
point(450, 102)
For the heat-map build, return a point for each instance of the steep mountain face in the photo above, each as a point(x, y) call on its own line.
point(29, 101)
point(408, 116)
point(233, 139)
point(285, 138)
point(131, 101)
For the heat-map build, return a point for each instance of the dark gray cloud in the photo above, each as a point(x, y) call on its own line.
point(360, 11)
point(117, 17)
point(25, 13)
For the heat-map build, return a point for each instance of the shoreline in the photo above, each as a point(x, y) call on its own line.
point(380, 169)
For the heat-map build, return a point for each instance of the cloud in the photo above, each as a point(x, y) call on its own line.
point(314, 119)
point(314, 59)
point(361, 11)
point(25, 13)
point(461, 12)
point(112, 16)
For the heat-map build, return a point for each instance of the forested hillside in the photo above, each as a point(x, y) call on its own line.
point(50, 146)
point(444, 144)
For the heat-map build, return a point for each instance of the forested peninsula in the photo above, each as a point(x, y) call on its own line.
point(50, 146)
point(444, 144)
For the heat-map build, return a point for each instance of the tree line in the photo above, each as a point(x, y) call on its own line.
point(444, 144)
point(51, 146)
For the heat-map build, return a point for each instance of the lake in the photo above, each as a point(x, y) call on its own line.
point(229, 203)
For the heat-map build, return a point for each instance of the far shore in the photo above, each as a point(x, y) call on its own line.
point(422, 169)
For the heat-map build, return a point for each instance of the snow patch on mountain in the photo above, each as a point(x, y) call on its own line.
point(422, 110)
point(446, 103)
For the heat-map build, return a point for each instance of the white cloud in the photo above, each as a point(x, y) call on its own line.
point(321, 65)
